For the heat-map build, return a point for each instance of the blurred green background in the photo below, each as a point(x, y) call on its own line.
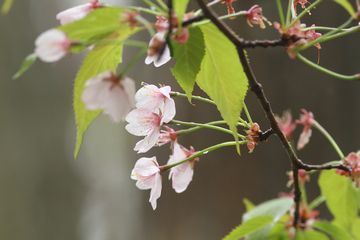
point(47, 195)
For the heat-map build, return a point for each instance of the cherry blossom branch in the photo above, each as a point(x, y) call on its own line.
point(257, 89)
point(203, 152)
point(204, 125)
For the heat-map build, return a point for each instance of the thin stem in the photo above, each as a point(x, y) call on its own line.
point(327, 71)
point(146, 10)
point(341, 34)
point(305, 11)
point(316, 202)
point(193, 129)
point(153, 5)
point(227, 16)
point(133, 61)
point(322, 28)
point(198, 98)
point(247, 113)
point(162, 5)
point(201, 153)
point(288, 12)
point(213, 3)
point(330, 139)
point(146, 24)
point(204, 125)
point(281, 12)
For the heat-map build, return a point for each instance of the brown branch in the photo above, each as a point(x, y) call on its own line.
point(257, 89)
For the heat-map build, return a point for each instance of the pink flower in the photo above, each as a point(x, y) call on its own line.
point(161, 24)
point(112, 94)
point(143, 122)
point(166, 136)
point(307, 120)
point(312, 35)
point(158, 51)
point(352, 161)
point(76, 13)
point(286, 124)
point(52, 45)
point(157, 100)
point(253, 136)
point(254, 16)
point(147, 174)
point(301, 2)
point(182, 174)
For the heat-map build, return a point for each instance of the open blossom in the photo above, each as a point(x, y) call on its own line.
point(253, 136)
point(181, 175)
point(286, 124)
point(158, 51)
point(112, 94)
point(352, 161)
point(147, 174)
point(52, 45)
point(254, 16)
point(307, 120)
point(156, 100)
point(143, 122)
point(76, 13)
point(167, 136)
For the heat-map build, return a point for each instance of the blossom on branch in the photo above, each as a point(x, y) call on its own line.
point(110, 93)
point(254, 16)
point(253, 136)
point(147, 174)
point(168, 135)
point(181, 175)
point(307, 120)
point(52, 45)
point(76, 13)
point(352, 161)
point(286, 124)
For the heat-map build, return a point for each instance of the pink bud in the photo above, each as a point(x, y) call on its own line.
point(52, 45)
point(76, 13)
point(255, 16)
point(307, 120)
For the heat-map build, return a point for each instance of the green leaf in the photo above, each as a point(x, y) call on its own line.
point(6, 6)
point(96, 25)
point(188, 60)
point(356, 228)
point(222, 76)
point(103, 57)
point(347, 6)
point(248, 204)
point(248, 227)
point(180, 8)
point(341, 197)
point(310, 235)
point(334, 231)
point(27, 63)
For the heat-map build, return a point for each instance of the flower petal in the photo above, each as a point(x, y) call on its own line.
point(155, 191)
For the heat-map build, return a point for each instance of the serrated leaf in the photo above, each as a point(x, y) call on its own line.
point(334, 231)
point(341, 198)
point(347, 6)
point(188, 60)
point(180, 8)
point(27, 63)
point(96, 25)
point(6, 6)
point(222, 76)
point(103, 57)
point(310, 235)
point(249, 227)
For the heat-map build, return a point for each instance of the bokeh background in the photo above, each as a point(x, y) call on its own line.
point(47, 195)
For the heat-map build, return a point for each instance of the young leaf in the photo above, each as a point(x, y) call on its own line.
point(347, 6)
point(180, 8)
point(356, 228)
point(98, 24)
point(341, 198)
point(188, 59)
point(248, 204)
point(249, 227)
point(334, 231)
point(6, 6)
point(310, 235)
point(222, 76)
point(27, 63)
point(103, 57)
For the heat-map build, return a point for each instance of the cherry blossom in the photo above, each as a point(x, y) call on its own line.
point(110, 93)
point(52, 45)
point(167, 136)
point(147, 174)
point(352, 161)
point(76, 13)
point(253, 136)
point(181, 175)
point(161, 24)
point(307, 120)
point(156, 100)
point(286, 124)
point(301, 2)
point(254, 16)
point(158, 51)
point(143, 122)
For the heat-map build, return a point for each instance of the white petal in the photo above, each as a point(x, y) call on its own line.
point(144, 167)
point(74, 14)
point(146, 183)
point(178, 154)
point(169, 110)
point(148, 97)
point(165, 91)
point(148, 142)
point(94, 91)
point(51, 45)
point(165, 57)
point(141, 122)
point(182, 176)
point(150, 59)
point(304, 139)
point(155, 191)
